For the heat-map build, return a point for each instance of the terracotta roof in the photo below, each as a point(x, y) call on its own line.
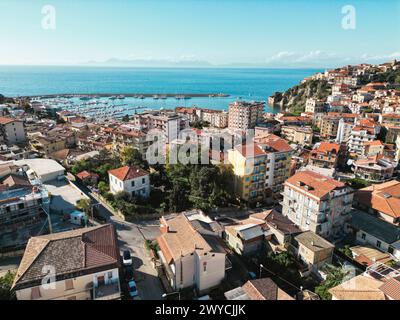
point(358, 288)
point(361, 128)
point(373, 143)
point(326, 147)
point(276, 220)
point(85, 174)
point(265, 289)
point(128, 173)
point(76, 251)
point(15, 181)
point(181, 239)
point(4, 120)
point(367, 123)
point(60, 155)
point(384, 197)
point(391, 288)
point(317, 184)
point(342, 115)
point(250, 150)
point(274, 142)
point(129, 132)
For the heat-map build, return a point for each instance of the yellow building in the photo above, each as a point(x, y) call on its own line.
point(46, 145)
point(261, 168)
point(298, 135)
point(249, 167)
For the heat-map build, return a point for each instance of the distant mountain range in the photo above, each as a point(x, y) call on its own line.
point(115, 62)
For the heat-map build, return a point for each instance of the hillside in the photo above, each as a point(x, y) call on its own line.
point(295, 98)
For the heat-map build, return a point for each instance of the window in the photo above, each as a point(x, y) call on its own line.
point(363, 236)
point(204, 266)
point(132, 183)
point(378, 244)
point(143, 180)
point(110, 274)
point(69, 284)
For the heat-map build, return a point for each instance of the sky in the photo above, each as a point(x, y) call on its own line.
point(284, 33)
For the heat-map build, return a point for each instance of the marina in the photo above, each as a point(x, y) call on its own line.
point(106, 106)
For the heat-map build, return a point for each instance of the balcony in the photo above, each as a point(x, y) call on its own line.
point(109, 291)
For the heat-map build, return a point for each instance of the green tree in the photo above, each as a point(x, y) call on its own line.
point(334, 278)
point(5, 286)
point(83, 205)
point(103, 187)
point(132, 157)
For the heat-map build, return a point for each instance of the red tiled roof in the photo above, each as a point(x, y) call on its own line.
point(83, 250)
point(274, 142)
point(391, 288)
point(250, 150)
point(384, 197)
point(328, 147)
point(85, 174)
point(320, 185)
point(128, 173)
point(4, 120)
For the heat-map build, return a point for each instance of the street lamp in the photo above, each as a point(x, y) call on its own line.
point(172, 293)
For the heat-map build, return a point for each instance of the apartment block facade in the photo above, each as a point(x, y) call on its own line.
point(245, 115)
point(317, 203)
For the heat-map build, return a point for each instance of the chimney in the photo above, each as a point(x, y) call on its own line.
point(164, 228)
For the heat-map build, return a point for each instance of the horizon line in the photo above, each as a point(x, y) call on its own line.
point(170, 67)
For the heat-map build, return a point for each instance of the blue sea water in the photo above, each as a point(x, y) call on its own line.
point(248, 84)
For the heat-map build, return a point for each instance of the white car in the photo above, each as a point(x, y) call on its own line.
point(132, 289)
point(127, 258)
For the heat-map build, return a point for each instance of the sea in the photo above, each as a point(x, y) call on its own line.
point(239, 83)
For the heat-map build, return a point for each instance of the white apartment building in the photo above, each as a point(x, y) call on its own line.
point(169, 123)
point(344, 131)
point(216, 118)
point(314, 106)
point(245, 115)
point(189, 258)
point(12, 131)
point(278, 161)
point(359, 135)
point(317, 203)
point(132, 180)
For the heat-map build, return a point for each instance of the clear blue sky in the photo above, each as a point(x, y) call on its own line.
point(274, 33)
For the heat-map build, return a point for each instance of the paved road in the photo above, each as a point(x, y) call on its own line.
point(132, 236)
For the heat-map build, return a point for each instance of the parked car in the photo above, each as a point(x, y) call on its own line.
point(132, 289)
point(128, 273)
point(127, 258)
